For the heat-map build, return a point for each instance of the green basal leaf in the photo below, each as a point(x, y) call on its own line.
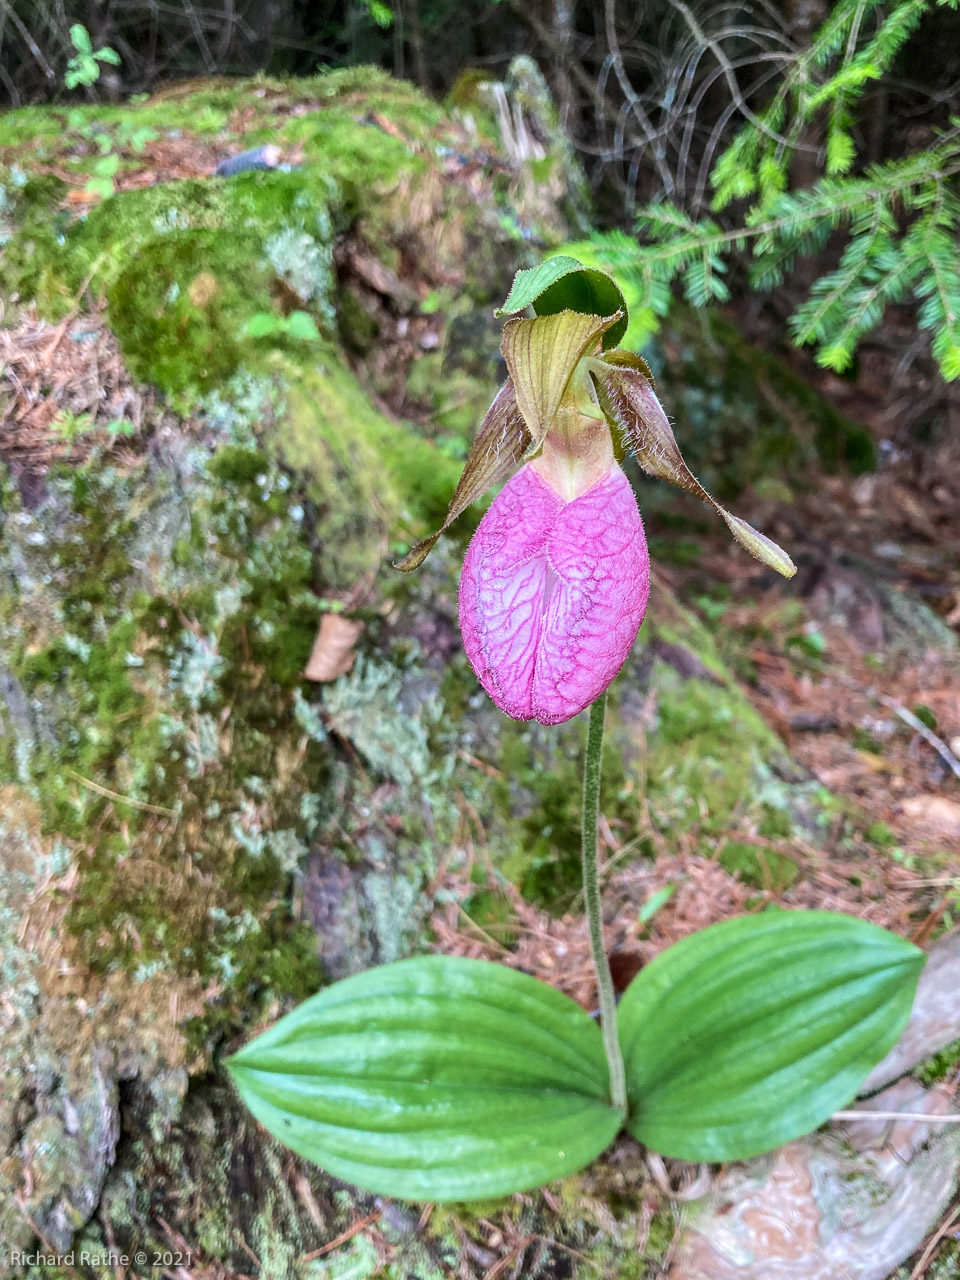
point(752, 1032)
point(434, 1079)
point(564, 284)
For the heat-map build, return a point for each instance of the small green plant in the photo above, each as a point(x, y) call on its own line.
point(129, 134)
point(83, 67)
point(445, 1079)
point(299, 325)
point(68, 426)
point(381, 13)
point(126, 135)
point(104, 172)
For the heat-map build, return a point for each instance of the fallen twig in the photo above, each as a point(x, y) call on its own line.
point(901, 711)
point(895, 1115)
point(342, 1238)
point(928, 735)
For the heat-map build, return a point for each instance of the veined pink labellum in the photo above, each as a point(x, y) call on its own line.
point(553, 593)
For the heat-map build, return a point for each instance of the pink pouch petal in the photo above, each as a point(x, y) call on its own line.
point(599, 553)
point(502, 589)
point(553, 594)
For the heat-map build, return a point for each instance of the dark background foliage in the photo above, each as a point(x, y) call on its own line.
point(650, 92)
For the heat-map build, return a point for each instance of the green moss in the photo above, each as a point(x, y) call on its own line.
point(29, 124)
point(357, 327)
point(704, 756)
point(457, 400)
point(178, 703)
point(338, 139)
point(940, 1066)
point(880, 834)
point(177, 618)
point(539, 796)
point(148, 247)
point(179, 310)
point(205, 107)
point(30, 265)
point(369, 471)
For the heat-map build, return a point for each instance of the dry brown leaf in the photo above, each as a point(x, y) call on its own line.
point(333, 650)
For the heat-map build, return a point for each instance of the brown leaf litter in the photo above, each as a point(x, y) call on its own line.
point(61, 386)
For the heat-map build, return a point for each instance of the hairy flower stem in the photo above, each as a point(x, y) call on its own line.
point(591, 892)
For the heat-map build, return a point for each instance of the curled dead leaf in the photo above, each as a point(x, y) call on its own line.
point(334, 648)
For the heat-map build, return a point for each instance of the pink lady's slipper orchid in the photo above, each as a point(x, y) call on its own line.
point(556, 579)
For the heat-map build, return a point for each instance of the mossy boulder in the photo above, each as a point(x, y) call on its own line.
point(192, 825)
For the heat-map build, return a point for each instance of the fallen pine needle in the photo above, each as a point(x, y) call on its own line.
point(115, 795)
point(921, 1267)
point(342, 1238)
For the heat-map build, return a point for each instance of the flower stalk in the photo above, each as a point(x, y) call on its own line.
point(593, 764)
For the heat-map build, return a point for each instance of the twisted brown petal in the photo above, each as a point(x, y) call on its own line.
point(627, 397)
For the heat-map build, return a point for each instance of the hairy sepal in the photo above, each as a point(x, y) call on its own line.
point(627, 397)
point(541, 355)
point(498, 449)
